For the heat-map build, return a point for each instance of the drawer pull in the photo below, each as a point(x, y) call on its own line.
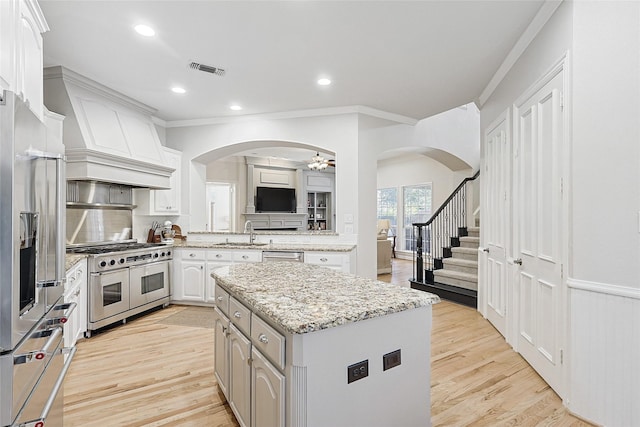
point(218, 255)
point(324, 259)
point(220, 298)
point(192, 255)
point(237, 315)
point(263, 339)
point(245, 256)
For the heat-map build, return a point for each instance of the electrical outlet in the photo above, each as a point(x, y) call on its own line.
point(391, 360)
point(357, 371)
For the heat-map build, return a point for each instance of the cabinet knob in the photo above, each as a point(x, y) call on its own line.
point(263, 339)
point(220, 298)
point(245, 256)
point(192, 255)
point(237, 315)
point(218, 255)
point(324, 259)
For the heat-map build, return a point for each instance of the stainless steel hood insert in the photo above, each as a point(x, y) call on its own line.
point(108, 136)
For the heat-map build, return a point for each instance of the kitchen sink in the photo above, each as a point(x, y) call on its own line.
point(239, 244)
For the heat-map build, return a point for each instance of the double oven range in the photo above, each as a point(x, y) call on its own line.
point(125, 279)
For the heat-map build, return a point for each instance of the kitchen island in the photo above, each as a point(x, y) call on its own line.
point(299, 345)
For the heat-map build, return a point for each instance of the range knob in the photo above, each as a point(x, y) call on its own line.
point(121, 261)
point(155, 255)
point(163, 254)
point(168, 253)
point(103, 263)
point(112, 262)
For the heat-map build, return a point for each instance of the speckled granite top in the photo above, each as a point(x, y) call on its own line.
point(303, 298)
point(319, 247)
point(72, 259)
point(273, 232)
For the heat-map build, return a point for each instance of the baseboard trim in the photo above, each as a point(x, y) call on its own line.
point(604, 288)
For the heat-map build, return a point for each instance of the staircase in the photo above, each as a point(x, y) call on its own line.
point(458, 279)
point(446, 252)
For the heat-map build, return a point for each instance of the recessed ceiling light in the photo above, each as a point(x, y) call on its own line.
point(324, 82)
point(236, 107)
point(145, 30)
point(178, 90)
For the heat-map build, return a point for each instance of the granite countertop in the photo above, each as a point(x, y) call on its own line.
point(72, 259)
point(293, 246)
point(303, 298)
point(270, 232)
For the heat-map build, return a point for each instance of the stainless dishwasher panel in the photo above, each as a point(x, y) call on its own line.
point(277, 256)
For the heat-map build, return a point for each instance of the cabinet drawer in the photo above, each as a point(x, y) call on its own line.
point(222, 300)
point(248, 256)
point(240, 315)
point(323, 258)
point(269, 341)
point(217, 255)
point(193, 254)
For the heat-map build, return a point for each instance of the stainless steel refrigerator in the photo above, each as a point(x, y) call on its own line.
point(32, 269)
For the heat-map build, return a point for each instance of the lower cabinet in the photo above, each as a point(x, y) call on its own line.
point(267, 393)
point(76, 292)
point(253, 386)
point(221, 350)
point(339, 261)
point(192, 281)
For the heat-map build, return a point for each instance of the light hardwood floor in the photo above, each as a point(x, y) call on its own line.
point(154, 371)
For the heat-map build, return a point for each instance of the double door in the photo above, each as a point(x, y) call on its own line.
point(525, 227)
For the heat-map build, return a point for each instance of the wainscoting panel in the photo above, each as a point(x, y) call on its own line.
point(604, 357)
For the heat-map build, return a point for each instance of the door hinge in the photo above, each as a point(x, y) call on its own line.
point(562, 271)
point(561, 188)
point(561, 356)
point(561, 101)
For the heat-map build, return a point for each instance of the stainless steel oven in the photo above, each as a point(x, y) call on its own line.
point(125, 279)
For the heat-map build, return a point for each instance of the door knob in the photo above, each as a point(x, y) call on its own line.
point(518, 261)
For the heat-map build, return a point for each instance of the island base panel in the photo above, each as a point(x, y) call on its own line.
point(320, 394)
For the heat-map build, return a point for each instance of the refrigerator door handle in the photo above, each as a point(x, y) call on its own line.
point(61, 235)
point(40, 354)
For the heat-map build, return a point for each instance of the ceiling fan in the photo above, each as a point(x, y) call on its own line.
point(320, 163)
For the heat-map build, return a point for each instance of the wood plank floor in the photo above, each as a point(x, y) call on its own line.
point(157, 370)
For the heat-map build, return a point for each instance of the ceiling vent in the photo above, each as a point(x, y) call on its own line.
point(207, 69)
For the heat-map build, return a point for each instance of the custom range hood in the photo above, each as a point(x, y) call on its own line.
point(108, 136)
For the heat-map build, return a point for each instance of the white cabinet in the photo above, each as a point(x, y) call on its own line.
point(168, 201)
point(267, 393)
point(21, 26)
point(162, 202)
point(8, 19)
point(76, 292)
point(240, 376)
point(192, 281)
point(253, 386)
point(339, 261)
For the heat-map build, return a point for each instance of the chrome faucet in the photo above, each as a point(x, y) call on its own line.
point(252, 237)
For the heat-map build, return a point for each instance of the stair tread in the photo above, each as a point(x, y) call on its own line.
point(461, 262)
point(473, 228)
point(456, 275)
point(469, 239)
point(464, 250)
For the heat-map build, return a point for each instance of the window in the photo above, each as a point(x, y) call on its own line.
point(388, 207)
point(416, 207)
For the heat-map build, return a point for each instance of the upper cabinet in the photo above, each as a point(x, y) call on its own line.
point(168, 201)
point(162, 202)
point(21, 26)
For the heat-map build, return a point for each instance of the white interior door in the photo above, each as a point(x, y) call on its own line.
point(538, 122)
point(496, 222)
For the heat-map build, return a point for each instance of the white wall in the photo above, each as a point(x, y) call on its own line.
point(603, 304)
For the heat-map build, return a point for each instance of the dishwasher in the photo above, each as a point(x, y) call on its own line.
point(277, 256)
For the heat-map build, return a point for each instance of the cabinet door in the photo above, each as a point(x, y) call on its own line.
point(239, 376)
point(7, 44)
point(221, 350)
point(190, 287)
point(210, 291)
point(30, 58)
point(169, 200)
point(267, 393)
